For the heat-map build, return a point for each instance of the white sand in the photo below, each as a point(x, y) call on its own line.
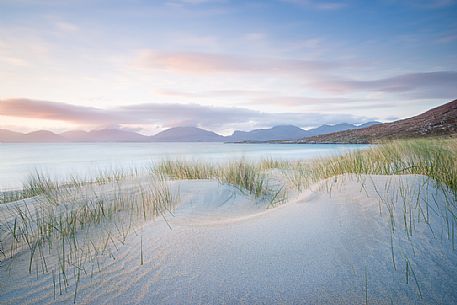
point(329, 245)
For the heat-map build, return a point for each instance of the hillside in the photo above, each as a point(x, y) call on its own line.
point(439, 121)
point(282, 132)
point(187, 134)
point(176, 134)
point(10, 136)
point(45, 136)
point(104, 135)
point(289, 132)
point(325, 129)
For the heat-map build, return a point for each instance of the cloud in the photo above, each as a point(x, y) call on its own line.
point(32, 109)
point(434, 4)
point(318, 4)
point(447, 38)
point(204, 63)
point(21, 48)
point(213, 93)
point(198, 8)
point(66, 27)
point(195, 2)
point(255, 36)
point(265, 97)
point(317, 76)
point(336, 103)
point(167, 115)
point(15, 61)
point(425, 81)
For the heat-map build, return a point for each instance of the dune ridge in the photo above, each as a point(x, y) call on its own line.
point(373, 226)
point(314, 249)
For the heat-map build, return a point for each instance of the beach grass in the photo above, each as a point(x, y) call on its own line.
point(250, 177)
point(40, 183)
point(434, 158)
point(72, 224)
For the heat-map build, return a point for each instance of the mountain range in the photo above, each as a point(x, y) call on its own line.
point(289, 132)
point(439, 121)
point(176, 134)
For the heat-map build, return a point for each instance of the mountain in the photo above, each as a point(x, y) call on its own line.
point(75, 135)
point(45, 136)
point(177, 134)
point(368, 124)
point(324, 129)
point(39, 136)
point(187, 134)
point(10, 136)
point(439, 121)
point(104, 135)
point(282, 132)
point(42, 136)
point(289, 132)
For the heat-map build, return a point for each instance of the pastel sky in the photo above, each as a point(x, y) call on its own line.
point(222, 64)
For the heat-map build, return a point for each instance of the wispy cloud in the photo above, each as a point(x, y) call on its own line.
point(445, 80)
point(447, 38)
point(201, 8)
point(213, 93)
point(265, 97)
point(318, 102)
point(66, 27)
point(193, 62)
point(434, 4)
point(195, 2)
point(20, 47)
point(167, 115)
point(319, 4)
point(15, 61)
point(316, 75)
point(32, 109)
point(271, 56)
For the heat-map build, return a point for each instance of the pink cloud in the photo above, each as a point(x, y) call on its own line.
point(33, 109)
point(198, 63)
point(165, 115)
point(443, 81)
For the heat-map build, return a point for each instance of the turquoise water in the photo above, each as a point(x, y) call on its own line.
point(18, 161)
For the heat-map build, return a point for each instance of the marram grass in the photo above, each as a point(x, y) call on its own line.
point(435, 158)
point(250, 177)
point(71, 229)
point(77, 222)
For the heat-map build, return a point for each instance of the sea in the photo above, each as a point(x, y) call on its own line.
point(85, 160)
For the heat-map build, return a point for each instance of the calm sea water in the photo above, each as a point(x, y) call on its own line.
point(18, 161)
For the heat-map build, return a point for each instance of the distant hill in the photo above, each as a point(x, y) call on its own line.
point(104, 135)
point(282, 132)
point(187, 134)
point(439, 121)
point(176, 134)
point(42, 136)
point(324, 129)
point(289, 132)
point(45, 136)
point(10, 136)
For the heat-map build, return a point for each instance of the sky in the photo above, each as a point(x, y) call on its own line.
point(222, 64)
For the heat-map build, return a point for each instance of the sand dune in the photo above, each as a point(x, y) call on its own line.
point(336, 243)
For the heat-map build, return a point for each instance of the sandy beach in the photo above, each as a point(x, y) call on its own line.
point(219, 152)
point(332, 244)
